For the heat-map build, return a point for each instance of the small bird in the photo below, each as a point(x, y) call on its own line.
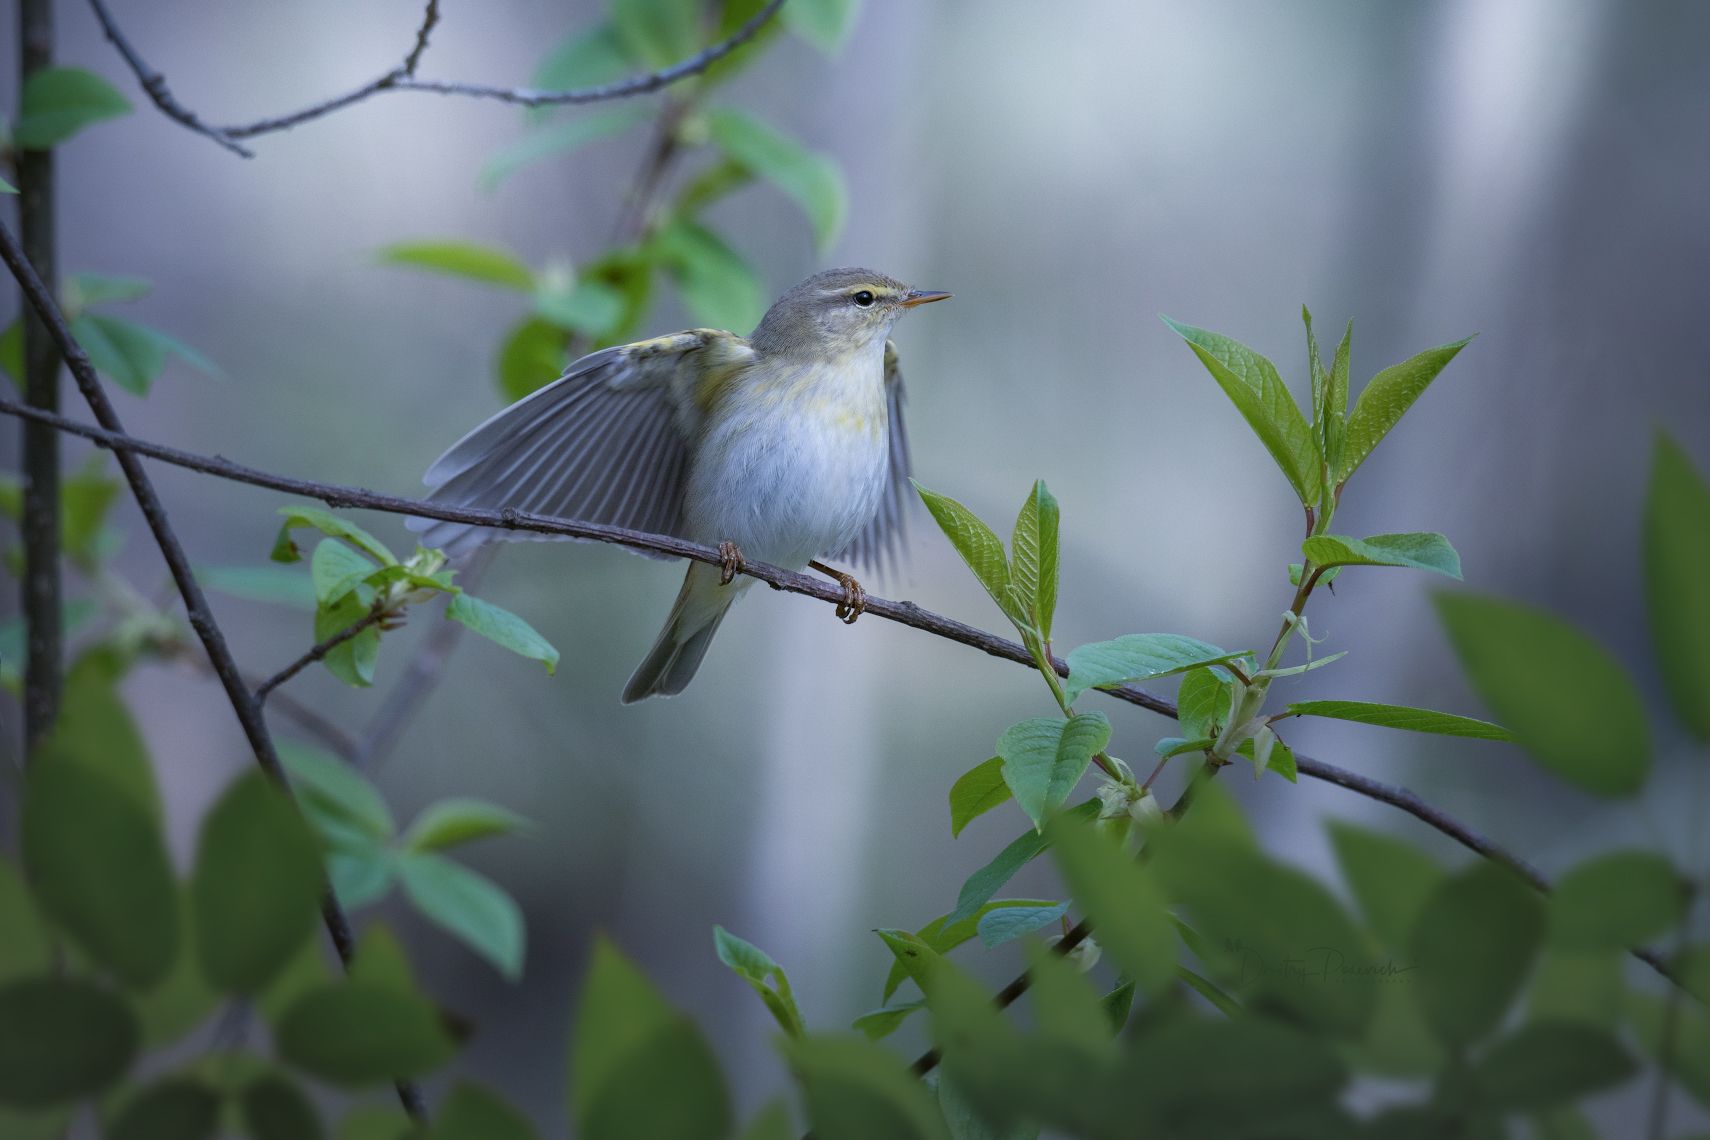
point(785, 446)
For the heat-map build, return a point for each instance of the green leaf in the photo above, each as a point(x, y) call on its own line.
point(1418, 550)
point(1137, 657)
point(1034, 552)
point(454, 822)
point(628, 1044)
point(335, 570)
point(274, 1108)
point(919, 961)
point(1577, 985)
point(810, 180)
point(26, 948)
point(256, 887)
point(326, 785)
point(376, 1122)
point(657, 33)
point(856, 1091)
point(1473, 942)
point(948, 931)
point(331, 525)
point(120, 350)
point(355, 1034)
point(380, 958)
point(1568, 702)
point(7, 188)
point(173, 1108)
point(1401, 717)
point(823, 23)
point(881, 1023)
point(474, 1112)
point(1005, 924)
point(590, 307)
point(469, 905)
point(462, 259)
point(1386, 398)
point(988, 880)
point(86, 289)
point(767, 978)
point(1677, 1038)
point(504, 627)
point(975, 792)
point(772, 1123)
point(1546, 1064)
point(531, 357)
point(585, 58)
point(60, 101)
point(1202, 702)
point(1046, 756)
point(68, 1038)
point(718, 287)
point(1390, 879)
point(1335, 427)
point(1066, 1009)
point(12, 350)
point(1256, 389)
point(1677, 590)
point(1123, 900)
point(1617, 900)
point(95, 730)
point(563, 138)
point(978, 545)
point(259, 584)
point(352, 660)
point(100, 871)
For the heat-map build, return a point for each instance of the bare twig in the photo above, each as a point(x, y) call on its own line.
point(403, 78)
point(318, 652)
point(201, 617)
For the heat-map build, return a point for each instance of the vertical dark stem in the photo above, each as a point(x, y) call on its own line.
point(41, 596)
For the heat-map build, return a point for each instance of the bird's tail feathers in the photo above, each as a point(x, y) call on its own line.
point(671, 664)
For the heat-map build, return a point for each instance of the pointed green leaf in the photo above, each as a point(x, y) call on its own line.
point(1401, 717)
point(1474, 941)
point(657, 33)
point(1677, 588)
point(1137, 657)
point(1386, 398)
point(1005, 924)
point(331, 525)
point(474, 1112)
point(352, 660)
point(60, 101)
point(1066, 1009)
point(587, 57)
point(1256, 389)
point(563, 138)
point(356, 1034)
point(811, 180)
point(1616, 900)
point(1033, 551)
point(335, 570)
point(975, 792)
point(100, 872)
point(502, 626)
point(1202, 702)
point(978, 545)
point(855, 1090)
point(1567, 701)
point(1046, 756)
point(589, 307)
point(260, 584)
point(7, 188)
point(881, 1023)
point(718, 287)
point(767, 978)
point(628, 1045)
point(96, 731)
point(469, 905)
point(325, 784)
point(918, 960)
point(454, 822)
point(1419, 550)
point(86, 289)
point(1389, 878)
point(531, 357)
point(67, 1038)
point(172, 1108)
point(274, 1108)
point(988, 880)
point(120, 351)
point(1122, 898)
point(948, 931)
point(462, 259)
point(823, 23)
point(1548, 1064)
point(256, 887)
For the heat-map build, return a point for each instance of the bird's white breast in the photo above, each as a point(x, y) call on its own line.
point(794, 462)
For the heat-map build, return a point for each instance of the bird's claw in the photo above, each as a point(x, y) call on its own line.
point(731, 563)
point(854, 602)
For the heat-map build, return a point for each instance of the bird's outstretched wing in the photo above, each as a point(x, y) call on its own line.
point(607, 442)
point(878, 546)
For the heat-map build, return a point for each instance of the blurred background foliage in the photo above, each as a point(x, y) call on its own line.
point(1527, 170)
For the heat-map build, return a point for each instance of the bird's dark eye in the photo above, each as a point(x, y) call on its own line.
point(864, 298)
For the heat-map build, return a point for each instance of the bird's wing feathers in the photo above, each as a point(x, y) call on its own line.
point(607, 442)
point(878, 546)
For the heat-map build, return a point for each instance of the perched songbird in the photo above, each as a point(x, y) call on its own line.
point(786, 447)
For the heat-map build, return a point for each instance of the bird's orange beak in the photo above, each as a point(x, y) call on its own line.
point(923, 297)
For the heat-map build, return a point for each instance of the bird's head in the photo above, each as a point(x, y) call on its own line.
point(837, 312)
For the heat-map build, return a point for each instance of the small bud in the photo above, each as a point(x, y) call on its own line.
point(1085, 954)
point(1146, 811)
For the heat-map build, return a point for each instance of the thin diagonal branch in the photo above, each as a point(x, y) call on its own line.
point(318, 652)
point(201, 617)
point(904, 613)
point(403, 78)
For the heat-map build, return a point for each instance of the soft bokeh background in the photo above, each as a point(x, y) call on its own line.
point(1532, 171)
